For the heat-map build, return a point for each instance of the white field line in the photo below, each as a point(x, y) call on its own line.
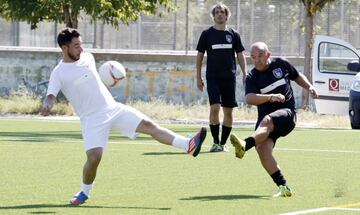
point(318, 150)
point(316, 210)
point(245, 123)
point(346, 207)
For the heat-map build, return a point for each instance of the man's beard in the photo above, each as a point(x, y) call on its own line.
point(73, 57)
point(220, 22)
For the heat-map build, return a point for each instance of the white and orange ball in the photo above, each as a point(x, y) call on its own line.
point(111, 72)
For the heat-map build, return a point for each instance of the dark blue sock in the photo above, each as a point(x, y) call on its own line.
point(215, 132)
point(225, 132)
point(278, 178)
point(250, 142)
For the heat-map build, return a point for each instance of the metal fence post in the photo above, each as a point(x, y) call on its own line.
point(187, 28)
point(175, 26)
point(238, 15)
point(55, 34)
point(15, 32)
point(95, 32)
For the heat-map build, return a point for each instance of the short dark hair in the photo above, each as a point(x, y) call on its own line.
point(222, 6)
point(66, 35)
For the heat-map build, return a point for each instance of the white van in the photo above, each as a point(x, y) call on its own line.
point(331, 76)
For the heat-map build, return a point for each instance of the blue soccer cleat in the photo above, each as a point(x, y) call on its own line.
point(79, 198)
point(196, 142)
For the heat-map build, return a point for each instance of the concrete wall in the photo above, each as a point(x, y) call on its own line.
point(168, 75)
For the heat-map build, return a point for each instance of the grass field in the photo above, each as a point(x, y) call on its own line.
point(41, 163)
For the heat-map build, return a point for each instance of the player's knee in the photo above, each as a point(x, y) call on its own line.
point(266, 122)
point(215, 109)
point(94, 156)
point(94, 159)
point(228, 113)
point(148, 125)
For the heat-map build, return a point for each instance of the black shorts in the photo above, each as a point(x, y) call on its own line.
point(222, 91)
point(284, 122)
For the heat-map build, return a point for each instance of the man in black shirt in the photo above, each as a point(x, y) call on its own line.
point(220, 43)
point(268, 86)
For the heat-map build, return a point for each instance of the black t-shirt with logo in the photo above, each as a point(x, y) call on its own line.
point(275, 79)
point(220, 47)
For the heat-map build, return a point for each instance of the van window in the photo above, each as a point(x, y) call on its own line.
point(333, 58)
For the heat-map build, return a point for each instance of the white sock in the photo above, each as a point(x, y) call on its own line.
point(181, 142)
point(86, 188)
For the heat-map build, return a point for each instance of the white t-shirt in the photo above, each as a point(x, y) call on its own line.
point(81, 85)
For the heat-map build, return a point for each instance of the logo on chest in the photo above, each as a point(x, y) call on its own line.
point(278, 73)
point(228, 38)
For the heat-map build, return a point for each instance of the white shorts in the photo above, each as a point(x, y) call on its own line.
point(96, 128)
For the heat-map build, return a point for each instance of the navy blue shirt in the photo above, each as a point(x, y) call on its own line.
point(275, 79)
point(220, 47)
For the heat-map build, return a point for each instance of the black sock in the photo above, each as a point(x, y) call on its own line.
point(250, 142)
point(225, 132)
point(215, 132)
point(278, 178)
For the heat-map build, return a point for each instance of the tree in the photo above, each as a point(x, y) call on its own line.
point(68, 11)
point(311, 8)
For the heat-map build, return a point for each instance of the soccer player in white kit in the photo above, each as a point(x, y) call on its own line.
point(77, 78)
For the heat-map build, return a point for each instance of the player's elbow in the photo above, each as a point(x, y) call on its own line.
point(251, 99)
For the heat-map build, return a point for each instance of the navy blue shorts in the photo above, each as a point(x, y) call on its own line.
point(284, 122)
point(222, 91)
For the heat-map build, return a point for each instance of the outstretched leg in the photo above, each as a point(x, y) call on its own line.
point(265, 127)
point(168, 137)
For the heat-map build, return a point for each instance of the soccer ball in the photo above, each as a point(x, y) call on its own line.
point(111, 72)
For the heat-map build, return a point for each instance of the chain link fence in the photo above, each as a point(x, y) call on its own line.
point(276, 22)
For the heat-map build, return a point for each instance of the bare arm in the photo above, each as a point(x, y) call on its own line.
point(303, 82)
point(199, 80)
point(258, 99)
point(47, 105)
point(242, 61)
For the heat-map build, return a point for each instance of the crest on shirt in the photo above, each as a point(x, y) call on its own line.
point(228, 38)
point(278, 73)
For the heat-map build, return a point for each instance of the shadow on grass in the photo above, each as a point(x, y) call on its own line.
point(174, 153)
point(58, 136)
point(39, 206)
point(226, 197)
point(43, 212)
point(44, 135)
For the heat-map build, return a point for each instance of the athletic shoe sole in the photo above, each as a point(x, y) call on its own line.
point(198, 145)
point(239, 146)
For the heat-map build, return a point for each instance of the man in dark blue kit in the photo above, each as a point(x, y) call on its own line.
point(220, 44)
point(268, 86)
